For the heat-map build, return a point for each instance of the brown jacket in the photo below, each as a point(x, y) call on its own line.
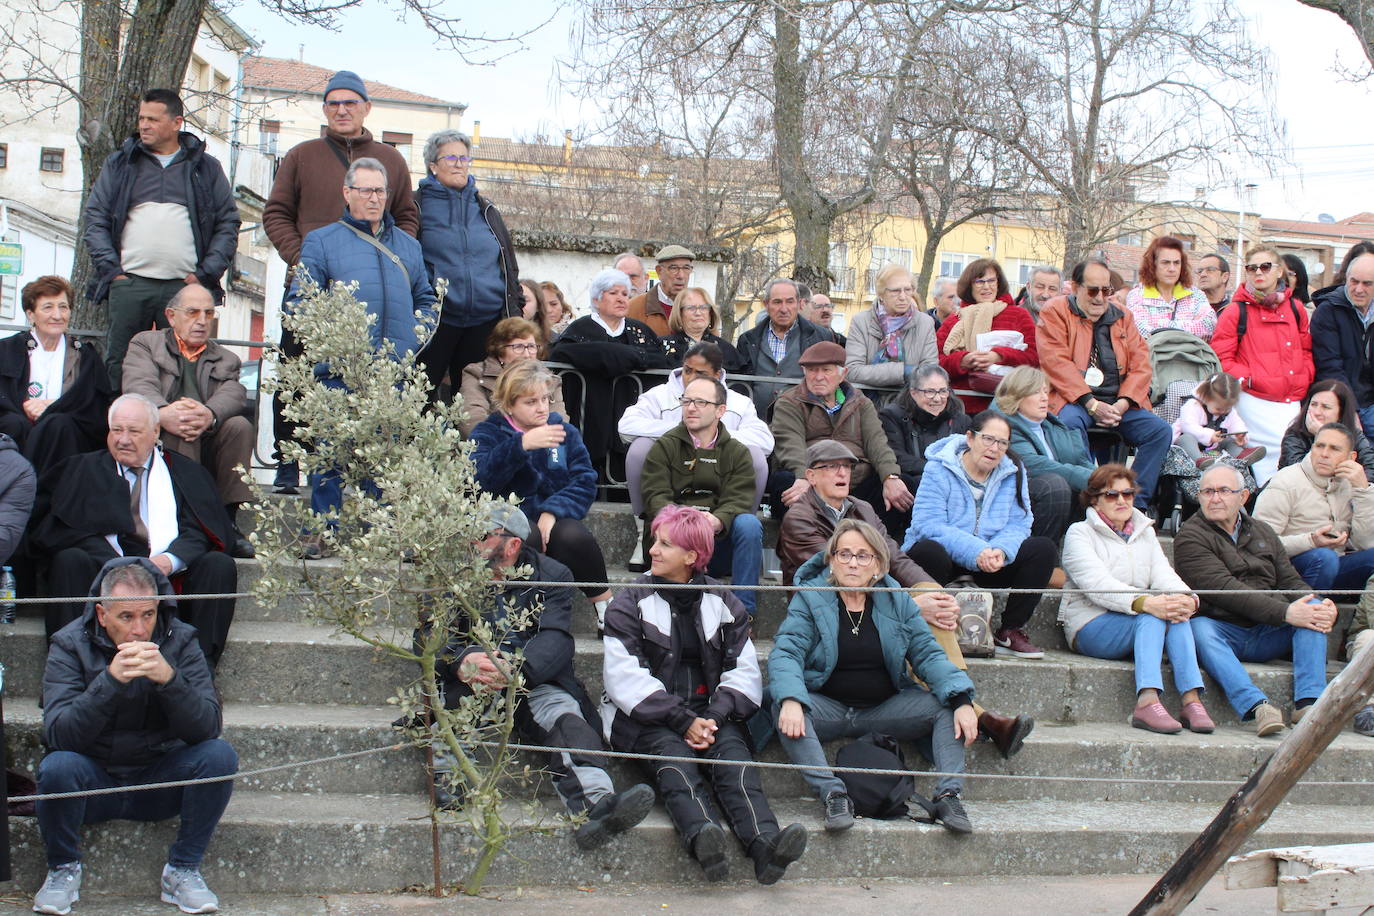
point(648, 308)
point(807, 527)
point(799, 419)
point(1207, 558)
point(308, 191)
point(479, 384)
point(153, 369)
point(1064, 340)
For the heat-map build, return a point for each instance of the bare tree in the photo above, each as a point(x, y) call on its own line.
point(1358, 14)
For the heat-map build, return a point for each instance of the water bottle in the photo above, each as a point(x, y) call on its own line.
point(7, 595)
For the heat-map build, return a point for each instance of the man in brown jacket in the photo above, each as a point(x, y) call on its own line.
point(825, 406)
point(194, 382)
point(654, 306)
point(305, 196)
point(1099, 371)
point(807, 527)
point(1223, 548)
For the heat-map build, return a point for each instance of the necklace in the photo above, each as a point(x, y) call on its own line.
point(855, 619)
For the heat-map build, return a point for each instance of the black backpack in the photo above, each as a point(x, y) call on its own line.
point(879, 796)
point(1242, 319)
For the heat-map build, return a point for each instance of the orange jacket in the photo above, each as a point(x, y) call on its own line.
point(650, 311)
point(1064, 340)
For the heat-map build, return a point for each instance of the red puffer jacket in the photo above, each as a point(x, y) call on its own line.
point(1273, 361)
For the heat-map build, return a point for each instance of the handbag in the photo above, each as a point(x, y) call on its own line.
point(975, 623)
point(984, 382)
point(874, 795)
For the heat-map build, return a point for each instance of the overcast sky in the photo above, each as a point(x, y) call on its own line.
point(1329, 125)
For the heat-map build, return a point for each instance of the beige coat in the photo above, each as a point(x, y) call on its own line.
point(1297, 502)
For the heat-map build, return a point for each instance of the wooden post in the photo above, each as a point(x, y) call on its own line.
point(1245, 811)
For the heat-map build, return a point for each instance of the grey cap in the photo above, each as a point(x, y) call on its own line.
point(346, 79)
point(505, 517)
point(669, 252)
point(823, 450)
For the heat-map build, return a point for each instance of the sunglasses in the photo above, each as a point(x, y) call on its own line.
point(1118, 494)
point(1259, 268)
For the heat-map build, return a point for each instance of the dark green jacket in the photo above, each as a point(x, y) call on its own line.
point(718, 480)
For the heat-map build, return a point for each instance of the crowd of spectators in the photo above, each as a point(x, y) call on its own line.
point(987, 440)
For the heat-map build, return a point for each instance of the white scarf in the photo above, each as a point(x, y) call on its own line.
point(46, 370)
point(159, 505)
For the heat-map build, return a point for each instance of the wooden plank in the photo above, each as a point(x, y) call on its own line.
point(1325, 890)
point(1258, 869)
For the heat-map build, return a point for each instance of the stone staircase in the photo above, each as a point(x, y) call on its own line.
point(294, 691)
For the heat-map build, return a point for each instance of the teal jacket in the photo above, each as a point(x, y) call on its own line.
point(806, 648)
point(1071, 459)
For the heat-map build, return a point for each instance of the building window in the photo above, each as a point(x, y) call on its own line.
point(4, 155)
point(1129, 238)
point(843, 274)
point(50, 160)
point(761, 266)
point(880, 257)
point(952, 263)
point(401, 142)
point(269, 132)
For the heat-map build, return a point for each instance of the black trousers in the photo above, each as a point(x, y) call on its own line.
point(283, 430)
point(72, 573)
point(572, 543)
point(452, 349)
point(736, 790)
point(1032, 568)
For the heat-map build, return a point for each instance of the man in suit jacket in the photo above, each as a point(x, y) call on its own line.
point(85, 516)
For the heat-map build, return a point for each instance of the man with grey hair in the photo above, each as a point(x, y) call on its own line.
point(631, 266)
point(944, 293)
point(365, 246)
point(655, 306)
point(465, 241)
point(1045, 283)
point(820, 311)
point(305, 197)
point(774, 346)
point(131, 499)
point(1231, 555)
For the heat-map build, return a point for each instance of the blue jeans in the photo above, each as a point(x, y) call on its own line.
point(740, 550)
point(200, 807)
point(1221, 647)
point(1367, 419)
point(911, 714)
point(1323, 569)
point(1150, 436)
point(1144, 637)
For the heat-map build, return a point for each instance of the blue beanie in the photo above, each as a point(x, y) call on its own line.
point(346, 79)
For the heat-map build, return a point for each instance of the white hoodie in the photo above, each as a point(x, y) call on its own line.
point(658, 411)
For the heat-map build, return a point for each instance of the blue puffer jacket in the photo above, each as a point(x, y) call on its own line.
point(333, 254)
point(1071, 459)
point(806, 649)
point(945, 513)
point(462, 248)
point(504, 468)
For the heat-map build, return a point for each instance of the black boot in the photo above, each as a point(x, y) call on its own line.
point(708, 848)
point(774, 853)
point(614, 814)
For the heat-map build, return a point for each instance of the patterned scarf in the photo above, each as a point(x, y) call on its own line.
point(891, 349)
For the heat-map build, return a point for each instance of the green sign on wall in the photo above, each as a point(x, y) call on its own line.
point(11, 259)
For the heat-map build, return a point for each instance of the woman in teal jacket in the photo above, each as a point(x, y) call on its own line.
point(839, 669)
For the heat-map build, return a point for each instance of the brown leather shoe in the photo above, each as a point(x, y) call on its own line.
point(1006, 732)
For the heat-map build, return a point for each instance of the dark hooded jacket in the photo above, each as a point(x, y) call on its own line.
point(18, 486)
point(1342, 345)
point(910, 431)
point(126, 727)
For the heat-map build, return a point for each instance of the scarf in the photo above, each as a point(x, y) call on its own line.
point(973, 320)
point(1124, 533)
point(161, 501)
point(891, 348)
point(1271, 301)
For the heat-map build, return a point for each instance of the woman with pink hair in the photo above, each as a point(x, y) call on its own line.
point(681, 678)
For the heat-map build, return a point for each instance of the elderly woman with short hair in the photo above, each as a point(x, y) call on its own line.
point(927, 413)
point(694, 320)
point(893, 337)
point(985, 306)
point(606, 346)
point(464, 241)
point(512, 339)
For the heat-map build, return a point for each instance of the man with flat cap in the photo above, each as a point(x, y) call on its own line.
point(655, 305)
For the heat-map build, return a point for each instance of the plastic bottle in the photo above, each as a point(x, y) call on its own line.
point(7, 595)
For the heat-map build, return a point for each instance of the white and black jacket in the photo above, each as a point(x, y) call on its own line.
point(642, 656)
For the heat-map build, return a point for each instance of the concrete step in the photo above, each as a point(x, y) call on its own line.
point(277, 843)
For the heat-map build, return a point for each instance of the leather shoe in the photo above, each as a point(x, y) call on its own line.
point(242, 548)
point(1006, 732)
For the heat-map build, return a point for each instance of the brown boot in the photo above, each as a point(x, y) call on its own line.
point(1006, 732)
point(1058, 578)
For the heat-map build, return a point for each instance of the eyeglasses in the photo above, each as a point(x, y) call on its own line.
point(1208, 270)
point(696, 308)
point(1113, 495)
point(863, 557)
point(207, 314)
point(676, 268)
point(347, 104)
point(993, 441)
point(1209, 492)
point(697, 402)
point(985, 280)
point(1095, 291)
point(902, 290)
point(833, 467)
point(523, 347)
point(1260, 268)
point(934, 393)
point(456, 160)
point(368, 192)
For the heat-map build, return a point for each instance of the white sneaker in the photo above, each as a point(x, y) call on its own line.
point(61, 889)
point(186, 888)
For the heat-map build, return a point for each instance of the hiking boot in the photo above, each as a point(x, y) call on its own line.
point(1364, 721)
point(1249, 456)
point(1268, 720)
point(1016, 642)
point(1005, 732)
point(839, 812)
point(1194, 717)
point(242, 548)
point(708, 848)
point(775, 853)
point(186, 888)
point(949, 811)
point(614, 814)
point(1153, 717)
point(61, 889)
point(288, 479)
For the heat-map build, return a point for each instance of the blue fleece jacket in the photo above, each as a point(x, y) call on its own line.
point(505, 468)
point(806, 649)
point(460, 247)
point(945, 512)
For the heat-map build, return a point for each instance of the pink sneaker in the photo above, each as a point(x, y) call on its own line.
point(1155, 718)
point(1194, 718)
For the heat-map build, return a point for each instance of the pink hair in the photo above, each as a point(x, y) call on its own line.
point(687, 528)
